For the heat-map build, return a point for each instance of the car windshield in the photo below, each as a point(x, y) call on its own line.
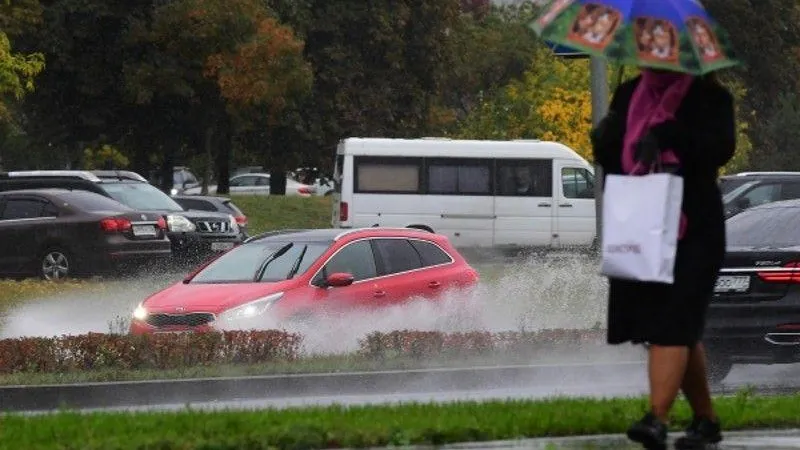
point(142, 196)
point(262, 262)
point(764, 227)
point(727, 198)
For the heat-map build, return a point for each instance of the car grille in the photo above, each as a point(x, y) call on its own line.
point(213, 226)
point(186, 320)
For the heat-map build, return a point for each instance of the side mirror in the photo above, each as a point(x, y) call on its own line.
point(743, 203)
point(339, 279)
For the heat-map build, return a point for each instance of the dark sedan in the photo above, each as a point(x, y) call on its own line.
point(59, 233)
point(755, 313)
point(214, 203)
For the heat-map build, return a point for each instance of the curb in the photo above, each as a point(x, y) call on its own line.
point(179, 391)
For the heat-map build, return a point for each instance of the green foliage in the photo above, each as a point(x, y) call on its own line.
point(371, 426)
point(784, 128)
point(105, 155)
point(17, 73)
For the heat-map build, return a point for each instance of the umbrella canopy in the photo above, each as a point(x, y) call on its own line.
point(677, 35)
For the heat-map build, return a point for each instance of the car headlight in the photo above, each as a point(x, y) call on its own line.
point(180, 224)
point(251, 309)
point(234, 225)
point(173, 191)
point(140, 313)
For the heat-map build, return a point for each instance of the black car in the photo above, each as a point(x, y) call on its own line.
point(194, 235)
point(753, 189)
point(58, 233)
point(755, 313)
point(214, 203)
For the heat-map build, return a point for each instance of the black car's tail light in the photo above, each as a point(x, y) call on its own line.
point(788, 274)
point(115, 225)
point(162, 223)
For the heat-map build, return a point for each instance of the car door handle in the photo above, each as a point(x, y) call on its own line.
point(434, 285)
point(544, 205)
point(565, 205)
point(379, 294)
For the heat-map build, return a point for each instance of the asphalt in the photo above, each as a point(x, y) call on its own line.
point(442, 385)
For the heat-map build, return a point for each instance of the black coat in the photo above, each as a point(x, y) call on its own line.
point(704, 140)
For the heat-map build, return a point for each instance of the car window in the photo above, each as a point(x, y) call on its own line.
point(263, 181)
point(88, 201)
point(355, 258)
point(525, 178)
point(233, 208)
point(764, 227)
point(397, 255)
point(200, 205)
point(430, 253)
point(790, 191)
point(247, 180)
point(765, 193)
point(142, 196)
point(577, 183)
point(23, 208)
point(241, 264)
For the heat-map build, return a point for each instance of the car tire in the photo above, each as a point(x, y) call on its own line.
point(55, 264)
point(718, 366)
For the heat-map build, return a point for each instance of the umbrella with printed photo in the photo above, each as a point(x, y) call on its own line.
point(676, 35)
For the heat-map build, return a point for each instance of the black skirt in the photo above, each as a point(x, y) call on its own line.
point(666, 314)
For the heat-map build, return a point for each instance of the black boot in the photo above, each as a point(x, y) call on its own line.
point(700, 433)
point(650, 432)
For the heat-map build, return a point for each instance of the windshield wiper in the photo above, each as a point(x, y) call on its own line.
point(263, 267)
point(296, 265)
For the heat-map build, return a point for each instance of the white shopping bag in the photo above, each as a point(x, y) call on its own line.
point(641, 218)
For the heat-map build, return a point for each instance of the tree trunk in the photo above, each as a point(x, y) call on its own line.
point(277, 179)
point(167, 167)
point(208, 143)
point(224, 162)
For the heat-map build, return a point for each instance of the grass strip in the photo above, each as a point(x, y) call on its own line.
point(271, 212)
point(367, 426)
point(13, 292)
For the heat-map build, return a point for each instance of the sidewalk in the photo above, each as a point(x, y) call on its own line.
point(734, 440)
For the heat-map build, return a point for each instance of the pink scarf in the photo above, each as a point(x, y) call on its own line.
point(656, 99)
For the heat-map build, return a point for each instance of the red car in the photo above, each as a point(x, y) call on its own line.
point(290, 275)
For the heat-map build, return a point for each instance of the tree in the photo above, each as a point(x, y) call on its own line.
point(17, 73)
point(223, 60)
point(763, 33)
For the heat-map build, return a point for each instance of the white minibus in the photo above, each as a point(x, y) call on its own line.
point(523, 193)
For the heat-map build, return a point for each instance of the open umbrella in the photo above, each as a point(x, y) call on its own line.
point(676, 35)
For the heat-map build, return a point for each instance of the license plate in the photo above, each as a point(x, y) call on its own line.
point(174, 332)
point(221, 246)
point(732, 284)
point(144, 230)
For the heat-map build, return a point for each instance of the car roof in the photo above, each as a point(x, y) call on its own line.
point(336, 234)
point(762, 176)
point(42, 191)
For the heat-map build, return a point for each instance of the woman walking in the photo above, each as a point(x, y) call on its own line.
point(687, 124)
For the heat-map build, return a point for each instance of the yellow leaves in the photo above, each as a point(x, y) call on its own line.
point(551, 102)
point(16, 73)
point(98, 157)
point(264, 70)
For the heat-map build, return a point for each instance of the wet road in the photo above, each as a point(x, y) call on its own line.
point(608, 380)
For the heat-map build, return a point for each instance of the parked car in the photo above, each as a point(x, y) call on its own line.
point(757, 189)
point(258, 184)
point(59, 233)
point(755, 312)
point(294, 275)
point(194, 235)
point(216, 204)
point(727, 183)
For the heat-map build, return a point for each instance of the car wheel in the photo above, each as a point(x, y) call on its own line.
point(55, 265)
point(719, 366)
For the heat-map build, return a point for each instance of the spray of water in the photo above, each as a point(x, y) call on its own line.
point(529, 295)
